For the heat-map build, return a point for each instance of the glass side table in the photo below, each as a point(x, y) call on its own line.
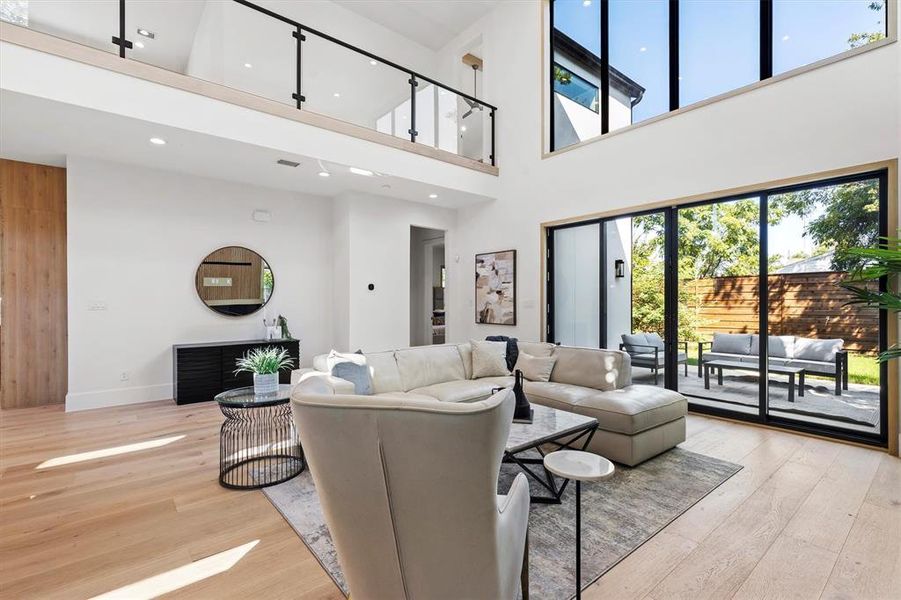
point(580, 466)
point(258, 444)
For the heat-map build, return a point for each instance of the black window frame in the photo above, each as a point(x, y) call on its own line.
point(765, 59)
point(671, 293)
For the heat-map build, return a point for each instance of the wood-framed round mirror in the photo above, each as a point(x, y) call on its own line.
point(234, 281)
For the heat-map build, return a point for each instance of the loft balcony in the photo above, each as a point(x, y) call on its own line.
point(250, 56)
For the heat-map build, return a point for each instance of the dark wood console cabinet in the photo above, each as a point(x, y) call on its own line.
point(200, 371)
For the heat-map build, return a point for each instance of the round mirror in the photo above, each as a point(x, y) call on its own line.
point(234, 281)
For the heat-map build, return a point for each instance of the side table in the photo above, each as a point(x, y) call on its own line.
point(580, 466)
point(258, 444)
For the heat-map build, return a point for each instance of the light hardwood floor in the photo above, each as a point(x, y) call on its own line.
point(805, 518)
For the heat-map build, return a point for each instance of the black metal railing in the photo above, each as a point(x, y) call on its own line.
point(300, 99)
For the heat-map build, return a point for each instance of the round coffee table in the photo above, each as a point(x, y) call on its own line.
point(580, 466)
point(258, 444)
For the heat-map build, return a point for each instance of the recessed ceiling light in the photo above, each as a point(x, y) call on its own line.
point(642, 49)
point(586, 2)
point(785, 38)
point(463, 128)
point(248, 66)
point(146, 33)
point(158, 141)
point(139, 44)
point(324, 174)
point(336, 95)
point(363, 172)
point(433, 196)
point(373, 62)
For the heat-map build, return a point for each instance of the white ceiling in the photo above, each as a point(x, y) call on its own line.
point(46, 132)
point(432, 23)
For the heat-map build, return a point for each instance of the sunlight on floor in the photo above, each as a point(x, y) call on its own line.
point(94, 454)
point(261, 450)
point(180, 577)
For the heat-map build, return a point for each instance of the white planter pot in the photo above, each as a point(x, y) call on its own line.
point(265, 384)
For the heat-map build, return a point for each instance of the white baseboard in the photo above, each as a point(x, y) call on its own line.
point(117, 397)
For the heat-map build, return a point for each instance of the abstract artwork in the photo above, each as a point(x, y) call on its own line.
point(496, 288)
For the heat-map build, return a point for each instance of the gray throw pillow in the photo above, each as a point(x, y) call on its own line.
point(731, 343)
point(817, 350)
point(357, 375)
point(636, 343)
point(654, 339)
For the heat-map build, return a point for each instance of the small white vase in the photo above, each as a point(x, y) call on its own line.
point(265, 384)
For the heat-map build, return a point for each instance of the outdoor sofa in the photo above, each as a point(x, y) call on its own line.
point(815, 356)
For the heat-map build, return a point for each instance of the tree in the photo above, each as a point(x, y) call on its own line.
point(847, 217)
point(862, 39)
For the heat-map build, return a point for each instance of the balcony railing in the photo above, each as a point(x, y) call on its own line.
point(248, 47)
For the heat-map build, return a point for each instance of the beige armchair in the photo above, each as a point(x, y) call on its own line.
point(409, 492)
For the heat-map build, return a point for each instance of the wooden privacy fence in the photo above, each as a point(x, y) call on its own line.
point(803, 304)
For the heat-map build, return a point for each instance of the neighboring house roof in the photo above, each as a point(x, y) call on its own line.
point(815, 264)
point(589, 61)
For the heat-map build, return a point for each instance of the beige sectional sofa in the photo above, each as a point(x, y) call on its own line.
point(636, 422)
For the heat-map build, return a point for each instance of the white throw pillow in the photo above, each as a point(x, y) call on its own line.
point(535, 368)
point(489, 359)
point(334, 357)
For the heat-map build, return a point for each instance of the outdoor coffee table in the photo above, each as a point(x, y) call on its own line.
point(561, 429)
point(719, 365)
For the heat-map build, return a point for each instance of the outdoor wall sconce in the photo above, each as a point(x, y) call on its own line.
point(619, 267)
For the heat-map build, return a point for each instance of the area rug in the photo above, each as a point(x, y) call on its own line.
point(618, 516)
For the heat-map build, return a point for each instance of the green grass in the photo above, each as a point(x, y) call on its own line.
point(863, 368)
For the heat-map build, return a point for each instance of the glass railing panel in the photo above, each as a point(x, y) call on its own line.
point(461, 125)
point(252, 49)
point(88, 22)
point(350, 86)
point(221, 42)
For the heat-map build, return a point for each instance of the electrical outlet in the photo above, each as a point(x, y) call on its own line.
point(124, 376)
point(100, 305)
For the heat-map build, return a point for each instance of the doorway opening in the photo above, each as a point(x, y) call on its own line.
point(428, 286)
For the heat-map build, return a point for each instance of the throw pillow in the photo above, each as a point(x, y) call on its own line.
point(356, 374)
point(512, 348)
point(535, 368)
point(334, 357)
point(489, 359)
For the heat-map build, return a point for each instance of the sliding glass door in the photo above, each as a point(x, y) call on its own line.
point(576, 289)
point(687, 291)
point(811, 324)
point(719, 302)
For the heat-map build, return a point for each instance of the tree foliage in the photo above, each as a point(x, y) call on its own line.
point(862, 39)
point(723, 240)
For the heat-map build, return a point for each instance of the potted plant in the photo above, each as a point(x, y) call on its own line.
point(264, 363)
point(874, 264)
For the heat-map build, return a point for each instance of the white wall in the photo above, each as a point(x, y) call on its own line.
point(618, 296)
point(379, 253)
point(135, 238)
point(837, 116)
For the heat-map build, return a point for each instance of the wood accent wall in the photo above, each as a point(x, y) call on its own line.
point(243, 266)
point(33, 284)
point(802, 304)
